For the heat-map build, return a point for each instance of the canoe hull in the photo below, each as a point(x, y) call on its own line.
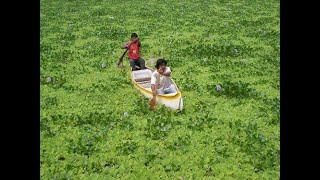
point(173, 101)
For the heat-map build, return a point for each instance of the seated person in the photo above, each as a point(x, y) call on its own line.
point(160, 79)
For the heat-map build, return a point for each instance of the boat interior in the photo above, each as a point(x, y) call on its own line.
point(143, 78)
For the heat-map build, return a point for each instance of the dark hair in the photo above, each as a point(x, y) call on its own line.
point(134, 35)
point(160, 62)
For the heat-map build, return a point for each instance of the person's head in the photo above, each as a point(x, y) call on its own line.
point(134, 36)
point(161, 64)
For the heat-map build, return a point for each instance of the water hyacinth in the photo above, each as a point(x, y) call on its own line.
point(206, 46)
point(205, 59)
point(164, 129)
point(263, 33)
point(218, 87)
point(49, 79)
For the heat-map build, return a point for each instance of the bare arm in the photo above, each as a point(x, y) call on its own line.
point(125, 46)
point(167, 72)
point(152, 101)
point(154, 90)
point(154, 82)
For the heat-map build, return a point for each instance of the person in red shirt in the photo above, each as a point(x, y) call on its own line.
point(133, 47)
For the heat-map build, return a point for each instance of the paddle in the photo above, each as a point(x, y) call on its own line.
point(121, 58)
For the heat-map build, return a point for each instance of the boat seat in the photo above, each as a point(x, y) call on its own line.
point(145, 84)
point(142, 75)
point(138, 80)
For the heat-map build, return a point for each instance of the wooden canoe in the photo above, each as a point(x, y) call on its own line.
point(141, 80)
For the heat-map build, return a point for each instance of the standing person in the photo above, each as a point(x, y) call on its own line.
point(133, 47)
point(160, 81)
